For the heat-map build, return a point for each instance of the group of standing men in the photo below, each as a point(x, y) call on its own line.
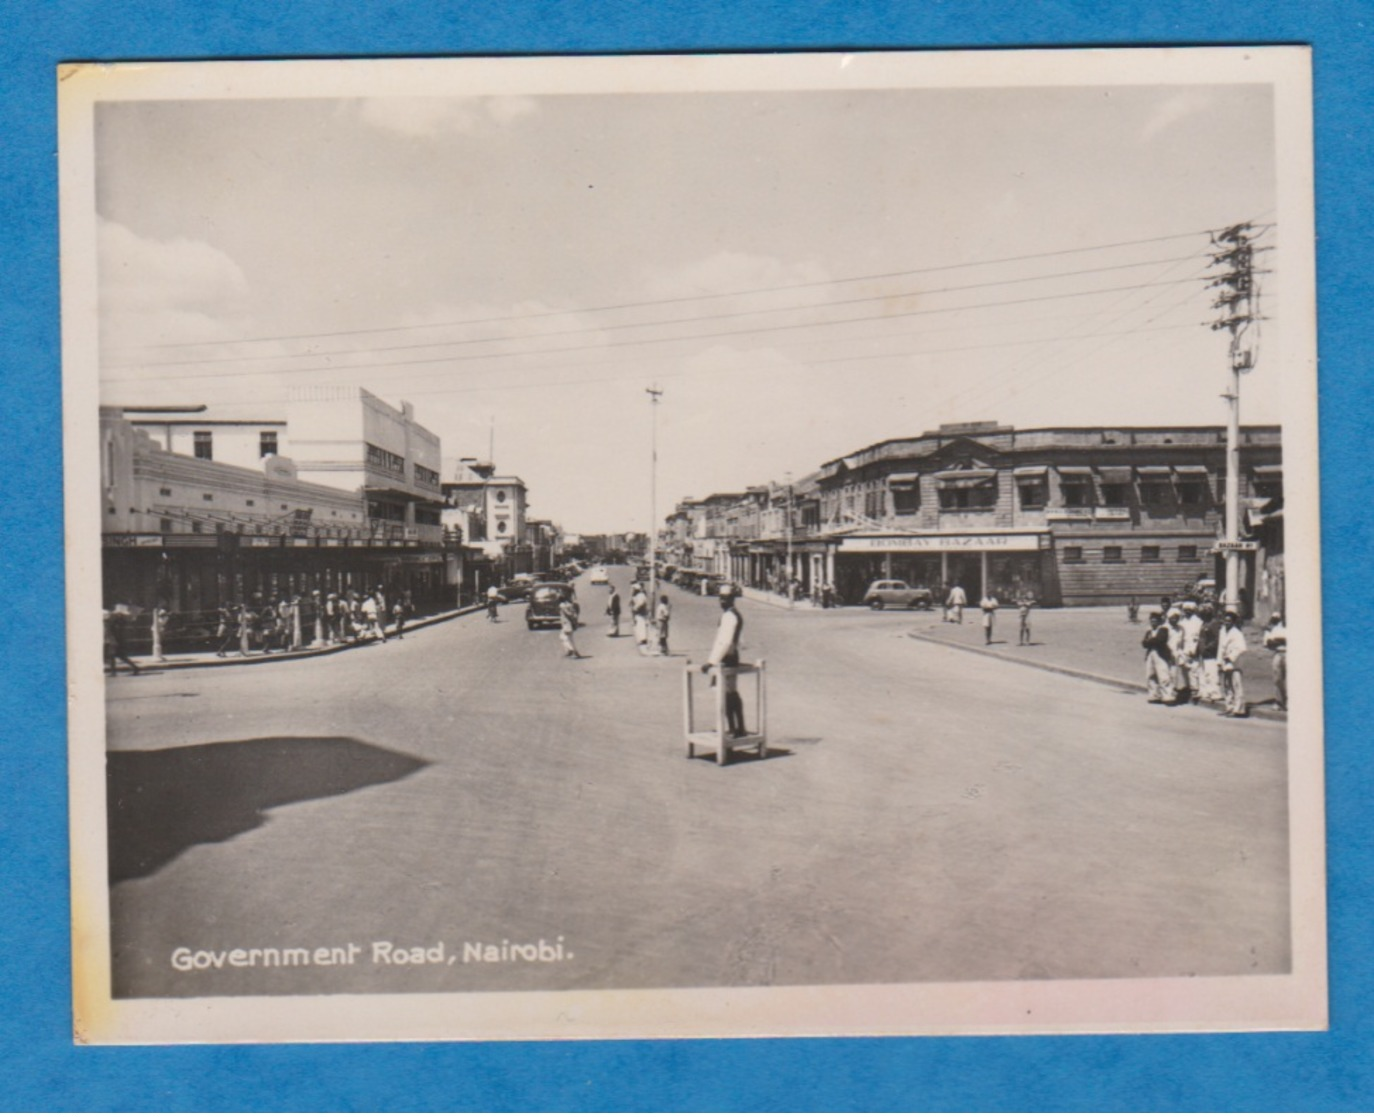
point(1192, 655)
point(650, 620)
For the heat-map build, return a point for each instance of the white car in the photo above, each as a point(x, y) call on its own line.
point(599, 576)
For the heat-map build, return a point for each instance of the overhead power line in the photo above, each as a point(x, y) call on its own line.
point(694, 298)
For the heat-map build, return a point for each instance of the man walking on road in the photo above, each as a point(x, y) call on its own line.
point(663, 613)
point(613, 610)
point(567, 624)
point(724, 656)
point(1024, 604)
point(493, 600)
point(989, 605)
point(955, 603)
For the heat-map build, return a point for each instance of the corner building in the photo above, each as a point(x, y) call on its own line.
point(1072, 515)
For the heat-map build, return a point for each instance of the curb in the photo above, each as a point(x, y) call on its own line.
point(1264, 713)
point(147, 663)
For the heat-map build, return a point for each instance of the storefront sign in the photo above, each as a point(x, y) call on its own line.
point(1224, 545)
point(1027, 542)
point(133, 541)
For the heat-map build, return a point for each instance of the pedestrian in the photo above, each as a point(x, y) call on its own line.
point(955, 603)
point(662, 615)
point(567, 625)
point(724, 658)
point(380, 597)
point(827, 595)
point(333, 620)
point(116, 639)
point(988, 604)
point(267, 628)
point(1232, 647)
point(1133, 610)
point(613, 609)
point(160, 619)
point(1208, 651)
point(228, 629)
point(1159, 674)
point(1024, 604)
point(370, 618)
point(493, 600)
point(400, 609)
point(1276, 640)
point(248, 625)
point(1191, 624)
point(1177, 639)
point(639, 613)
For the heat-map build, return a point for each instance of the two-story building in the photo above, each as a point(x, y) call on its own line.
point(1069, 515)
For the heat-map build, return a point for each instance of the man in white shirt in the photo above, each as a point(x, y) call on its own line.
point(1276, 640)
point(725, 654)
point(1191, 624)
point(955, 603)
point(1231, 648)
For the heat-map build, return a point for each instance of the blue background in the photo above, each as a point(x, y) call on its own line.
point(40, 1068)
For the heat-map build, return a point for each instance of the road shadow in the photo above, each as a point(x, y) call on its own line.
point(742, 757)
point(162, 802)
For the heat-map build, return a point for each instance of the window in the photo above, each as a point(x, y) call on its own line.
point(1194, 491)
point(1267, 490)
point(204, 444)
point(906, 499)
point(980, 498)
point(1112, 554)
point(164, 525)
point(1116, 496)
point(1078, 492)
point(874, 504)
point(385, 461)
point(1149, 553)
point(267, 443)
point(1073, 554)
point(426, 477)
point(1033, 493)
point(207, 496)
point(250, 502)
point(1156, 492)
point(164, 492)
point(1187, 552)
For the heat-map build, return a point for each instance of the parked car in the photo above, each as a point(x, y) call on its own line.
point(518, 588)
point(599, 576)
point(544, 601)
point(889, 591)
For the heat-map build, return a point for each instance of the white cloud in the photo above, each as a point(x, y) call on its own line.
point(427, 117)
point(727, 272)
point(155, 292)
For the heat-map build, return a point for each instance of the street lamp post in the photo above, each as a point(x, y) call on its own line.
point(788, 586)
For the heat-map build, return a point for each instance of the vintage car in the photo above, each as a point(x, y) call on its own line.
point(599, 577)
point(544, 602)
point(889, 591)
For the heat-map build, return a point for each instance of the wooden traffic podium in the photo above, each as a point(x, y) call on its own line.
point(718, 738)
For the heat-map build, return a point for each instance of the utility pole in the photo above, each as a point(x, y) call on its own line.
point(655, 393)
point(1236, 300)
point(789, 541)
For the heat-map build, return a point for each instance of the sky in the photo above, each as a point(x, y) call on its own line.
point(802, 274)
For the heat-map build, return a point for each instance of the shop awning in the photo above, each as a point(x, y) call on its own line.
point(1191, 470)
point(903, 480)
point(1267, 470)
point(965, 475)
point(1155, 472)
point(966, 478)
point(1030, 471)
point(1078, 471)
point(1116, 474)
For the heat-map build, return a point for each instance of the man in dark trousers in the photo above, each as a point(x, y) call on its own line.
point(613, 609)
point(725, 654)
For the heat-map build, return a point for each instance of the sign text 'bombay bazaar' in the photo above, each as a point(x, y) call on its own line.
point(1028, 542)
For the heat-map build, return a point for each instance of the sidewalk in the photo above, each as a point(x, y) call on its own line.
point(177, 661)
point(1088, 643)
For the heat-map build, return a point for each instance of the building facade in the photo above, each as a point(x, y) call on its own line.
point(238, 517)
point(1070, 516)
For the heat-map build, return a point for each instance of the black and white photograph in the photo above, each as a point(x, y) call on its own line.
point(663, 546)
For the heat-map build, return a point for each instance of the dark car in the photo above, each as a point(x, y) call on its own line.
point(889, 591)
point(545, 598)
